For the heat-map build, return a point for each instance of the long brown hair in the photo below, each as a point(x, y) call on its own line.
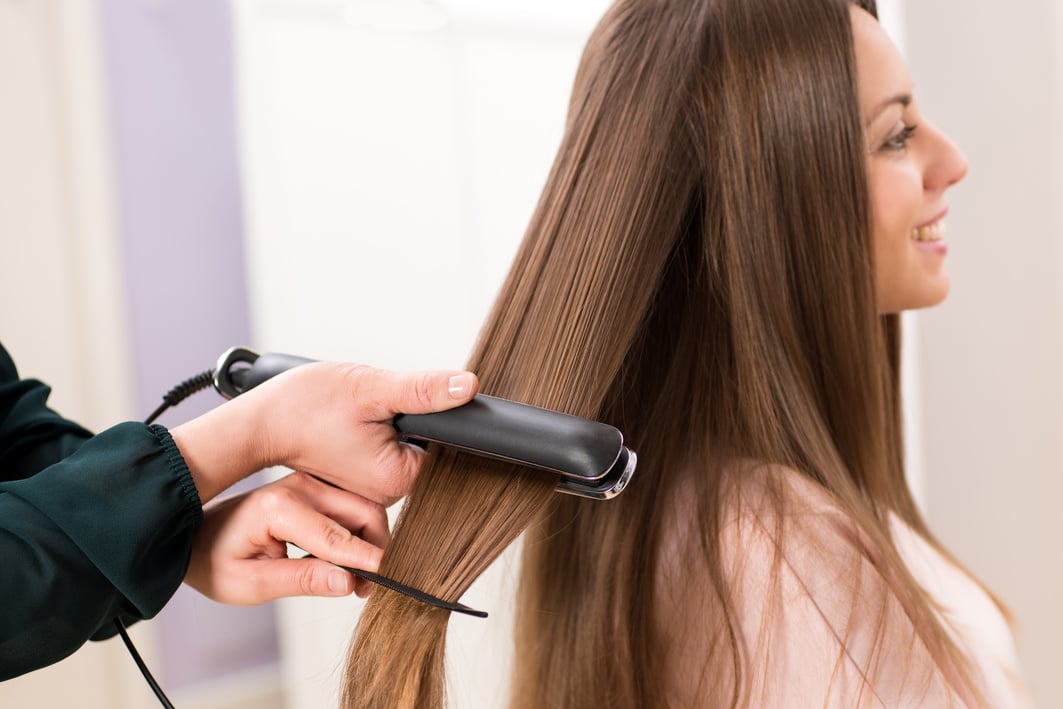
point(698, 272)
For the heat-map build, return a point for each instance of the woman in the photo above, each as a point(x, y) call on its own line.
point(745, 197)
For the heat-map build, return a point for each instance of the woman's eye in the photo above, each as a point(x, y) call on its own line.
point(900, 140)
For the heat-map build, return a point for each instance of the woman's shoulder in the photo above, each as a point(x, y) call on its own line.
point(813, 613)
point(776, 500)
point(773, 523)
point(773, 516)
point(762, 507)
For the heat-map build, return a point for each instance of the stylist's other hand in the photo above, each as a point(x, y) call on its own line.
point(330, 419)
point(239, 555)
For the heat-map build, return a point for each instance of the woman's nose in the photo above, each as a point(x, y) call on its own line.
point(947, 166)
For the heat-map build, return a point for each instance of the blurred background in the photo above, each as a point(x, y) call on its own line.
point(350, 178)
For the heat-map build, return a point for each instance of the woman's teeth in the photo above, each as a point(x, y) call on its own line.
point(930, 232)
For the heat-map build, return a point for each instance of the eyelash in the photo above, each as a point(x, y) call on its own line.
point(900, 141)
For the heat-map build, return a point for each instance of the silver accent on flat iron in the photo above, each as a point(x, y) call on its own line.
point(609, 486)
point(223, 370)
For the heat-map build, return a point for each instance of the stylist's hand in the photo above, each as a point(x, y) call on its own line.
point(239, 556)
point(334, 421)
point(329, 419)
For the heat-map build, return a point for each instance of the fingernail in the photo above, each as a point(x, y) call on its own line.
point(337, 581)
point(460, 386)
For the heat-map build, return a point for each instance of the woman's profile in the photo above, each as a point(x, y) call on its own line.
point(745, 198)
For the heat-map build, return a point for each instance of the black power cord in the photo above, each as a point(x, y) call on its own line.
point(181, 392)
point(172, 398)
point(161, 695)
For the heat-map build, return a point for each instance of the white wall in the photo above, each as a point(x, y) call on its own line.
point(991, 74)
point(56, 211)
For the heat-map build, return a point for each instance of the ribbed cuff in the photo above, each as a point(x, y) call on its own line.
point(176, 462)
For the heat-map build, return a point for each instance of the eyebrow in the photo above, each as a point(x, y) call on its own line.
point(904, 100)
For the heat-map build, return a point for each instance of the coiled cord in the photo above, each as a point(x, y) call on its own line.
point(181, 392)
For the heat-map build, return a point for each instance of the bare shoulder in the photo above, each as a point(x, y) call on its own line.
point(777, 524)
point(784, 550)
point(765, 510)
point(757, 488)
point(813, 616)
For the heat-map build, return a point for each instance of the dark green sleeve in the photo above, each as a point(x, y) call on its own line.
point(102, 532)
point(32, 436)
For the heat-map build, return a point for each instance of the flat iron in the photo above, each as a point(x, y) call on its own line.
point(590, 457)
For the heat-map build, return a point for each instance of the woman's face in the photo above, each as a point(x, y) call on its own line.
point(911, 164)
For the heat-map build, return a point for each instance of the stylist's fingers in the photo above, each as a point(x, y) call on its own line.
point(281, 578)
point(334, 420)
point(382, 395)
point(389, 393)
point(293, 519)
point(363, 518)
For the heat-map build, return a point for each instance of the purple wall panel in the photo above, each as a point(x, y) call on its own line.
point(169, 74)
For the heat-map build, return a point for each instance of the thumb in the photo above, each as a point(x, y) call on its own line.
point(281, 578)
point(422, 392)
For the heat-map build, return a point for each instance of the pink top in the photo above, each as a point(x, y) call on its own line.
point(813, 646)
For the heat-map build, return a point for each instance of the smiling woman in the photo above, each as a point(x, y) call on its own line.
point(739, 208)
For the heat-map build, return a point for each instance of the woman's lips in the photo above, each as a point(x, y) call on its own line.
point(931, 238)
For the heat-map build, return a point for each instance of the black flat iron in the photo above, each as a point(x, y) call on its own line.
point(590, 457)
